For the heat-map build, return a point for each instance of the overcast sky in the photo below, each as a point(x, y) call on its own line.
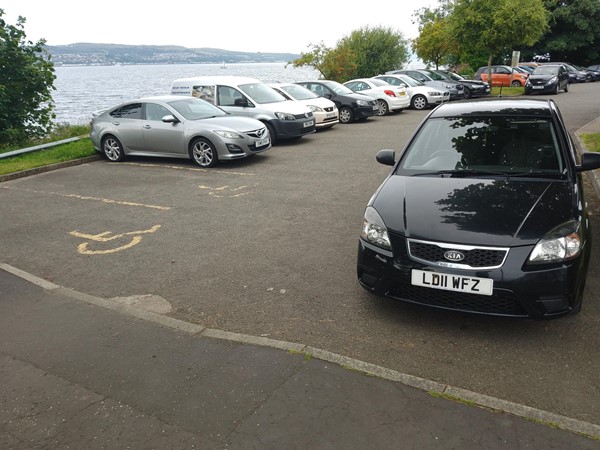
point(242, 25)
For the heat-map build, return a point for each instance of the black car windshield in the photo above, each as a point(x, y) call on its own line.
point(261, 93)
point(338, 88)
point(196, 109)
point(546, 70)
point(298, 92)
point(484, 146)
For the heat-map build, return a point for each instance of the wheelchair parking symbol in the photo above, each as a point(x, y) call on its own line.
point(108, 236)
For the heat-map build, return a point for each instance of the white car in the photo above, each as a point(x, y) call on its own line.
point(325, 111)
point(390, 98)
point(421, 95)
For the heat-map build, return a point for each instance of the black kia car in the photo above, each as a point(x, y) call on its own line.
point(351, 105)
point(483, 212)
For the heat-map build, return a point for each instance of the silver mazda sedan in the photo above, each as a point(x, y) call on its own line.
point(176, 127)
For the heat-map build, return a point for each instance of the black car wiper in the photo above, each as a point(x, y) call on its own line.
point(461, 173)
point(535, 174)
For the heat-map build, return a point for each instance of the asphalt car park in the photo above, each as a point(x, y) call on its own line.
point(267, 246)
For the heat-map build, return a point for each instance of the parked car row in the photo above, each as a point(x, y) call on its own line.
point(211, 119)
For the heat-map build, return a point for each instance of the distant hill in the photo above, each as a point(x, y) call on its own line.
point(110, 54)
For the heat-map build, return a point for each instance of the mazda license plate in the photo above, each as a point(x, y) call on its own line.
point(262, 142)
point(451, 282)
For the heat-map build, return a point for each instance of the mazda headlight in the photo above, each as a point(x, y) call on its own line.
point(228, 134)
point(553, 80)
point(374, 230)
point(284, 116)
point(561, 244)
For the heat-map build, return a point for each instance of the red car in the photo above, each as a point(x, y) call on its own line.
point(502, 76)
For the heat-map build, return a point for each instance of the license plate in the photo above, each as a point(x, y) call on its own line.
point(450, 282)
point(537, 87)
point(310, 123)
point(402, 94)
point(330, 115)
point(262, 142)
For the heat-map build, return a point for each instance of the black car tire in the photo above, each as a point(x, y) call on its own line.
point(203, 153)
point(515, 83)
point(557, 90)
point(467, 93)
point(112, 148)
point(566, 87)
point(346, 115)
point(419, 102)
point(383, 108)
point(271, 133)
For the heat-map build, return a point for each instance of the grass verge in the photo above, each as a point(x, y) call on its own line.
point(507, 91)
point(60, 153)
point(591, 141)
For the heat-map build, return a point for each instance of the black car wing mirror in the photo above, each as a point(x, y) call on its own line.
point(589, 161)
point(387, 157)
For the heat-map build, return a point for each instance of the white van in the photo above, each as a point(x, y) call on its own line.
point(252, 98)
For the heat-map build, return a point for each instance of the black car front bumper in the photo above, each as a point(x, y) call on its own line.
point(541, 292)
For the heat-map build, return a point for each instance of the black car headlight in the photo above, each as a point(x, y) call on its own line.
point(374, 230)
point(552, 80)
point(362, 103)
point(561, 244)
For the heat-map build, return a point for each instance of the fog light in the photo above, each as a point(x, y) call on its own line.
point(234, 148)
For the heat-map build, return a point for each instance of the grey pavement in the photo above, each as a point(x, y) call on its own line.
point(77, 371)
point(83, 372)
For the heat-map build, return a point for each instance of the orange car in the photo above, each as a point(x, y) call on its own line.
point(502, 76)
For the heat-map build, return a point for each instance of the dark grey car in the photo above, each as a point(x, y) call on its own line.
point(548, 79)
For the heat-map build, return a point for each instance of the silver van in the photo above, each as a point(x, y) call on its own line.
point(251, 98)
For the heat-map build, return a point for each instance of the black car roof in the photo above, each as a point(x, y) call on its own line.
point(495, 108)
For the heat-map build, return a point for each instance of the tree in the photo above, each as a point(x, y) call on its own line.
point(332, 64)
point(435, 43)
point(495, 28)
point(376, 50)
point(364, 53)
point(26, 82)
point(574, 34)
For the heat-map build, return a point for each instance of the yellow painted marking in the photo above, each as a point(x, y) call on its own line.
point(96, 199)
point(193, 169)
point(105, 237)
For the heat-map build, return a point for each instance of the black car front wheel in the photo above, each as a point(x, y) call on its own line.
point(346, 115)
point(467, 93)
point(566, 87)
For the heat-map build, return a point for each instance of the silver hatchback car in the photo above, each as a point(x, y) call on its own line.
point(177, 127)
